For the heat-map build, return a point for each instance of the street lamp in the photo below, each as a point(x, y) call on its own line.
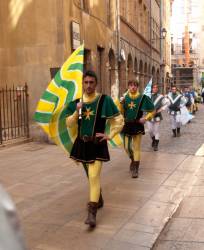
point(154, 43)
point(163, 33)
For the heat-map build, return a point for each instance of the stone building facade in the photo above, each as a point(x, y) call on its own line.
point(139, 25)
point(37, 39)
point(121, 37)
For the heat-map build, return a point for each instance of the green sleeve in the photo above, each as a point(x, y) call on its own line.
point(71, 108)
point(109, 108)
point(147, 104)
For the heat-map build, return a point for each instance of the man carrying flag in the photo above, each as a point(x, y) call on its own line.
point(133, 106)
point(90, 146)
point(84, 139)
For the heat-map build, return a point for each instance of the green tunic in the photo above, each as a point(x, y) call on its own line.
point(134, 107)
point(133, 111)
point(89, 111)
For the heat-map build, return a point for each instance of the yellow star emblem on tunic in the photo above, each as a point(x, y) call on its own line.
point(88, 113)
point(131, 105)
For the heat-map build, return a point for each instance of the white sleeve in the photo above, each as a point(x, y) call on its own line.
point(165, 103)
point(183, 101)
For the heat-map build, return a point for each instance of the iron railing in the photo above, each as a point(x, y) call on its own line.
point(14, 115)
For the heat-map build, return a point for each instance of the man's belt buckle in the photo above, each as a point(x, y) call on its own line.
point(86, 138)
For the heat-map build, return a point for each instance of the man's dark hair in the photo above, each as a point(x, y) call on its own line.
point(155, 84)
point(133, 81)
point(173, 86)
point(90, 73)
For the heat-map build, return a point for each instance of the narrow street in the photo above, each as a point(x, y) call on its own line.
point(54, 52)
point(50, 193)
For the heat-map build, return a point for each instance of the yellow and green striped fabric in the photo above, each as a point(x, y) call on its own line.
point(51, 110)
point(64, 88)
point(118, 139)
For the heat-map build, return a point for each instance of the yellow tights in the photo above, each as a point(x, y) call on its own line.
point(132, 146)
point(94, 170)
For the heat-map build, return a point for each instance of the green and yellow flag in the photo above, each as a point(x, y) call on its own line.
point(64, 88)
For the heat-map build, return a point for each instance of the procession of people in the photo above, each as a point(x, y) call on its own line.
point(135, 112)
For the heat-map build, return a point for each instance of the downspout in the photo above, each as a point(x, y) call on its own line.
point(151, 38)
point(116, 86)
point(161, 80)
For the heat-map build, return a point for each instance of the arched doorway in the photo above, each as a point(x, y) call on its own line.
point(167, 83)
point(153, 74)
point(111, 79)
point(135, 68)
point(149, 71)
point(130, 67)
point(145, 75)
point(122, 77)
point(141, 75)
point(158, 77)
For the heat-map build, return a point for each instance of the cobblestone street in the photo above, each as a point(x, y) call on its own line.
point(192, 136)
point(51, 192)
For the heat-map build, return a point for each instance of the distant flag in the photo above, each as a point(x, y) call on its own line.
point(51, 111)
point(148, 89)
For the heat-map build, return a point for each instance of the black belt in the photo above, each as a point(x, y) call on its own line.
point(132, 121)
point(87, 138)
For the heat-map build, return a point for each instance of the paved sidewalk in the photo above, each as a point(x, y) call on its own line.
point(50, 192)
point(185, 231)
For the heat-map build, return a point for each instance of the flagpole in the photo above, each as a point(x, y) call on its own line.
point(81, 99)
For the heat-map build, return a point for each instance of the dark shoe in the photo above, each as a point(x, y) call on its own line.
point(156, 145)
point(174, 132)
point(153, 141)
point(100, 201)
point(92, 210)
point(131, 165)
point(135, 171)
point(178, 132)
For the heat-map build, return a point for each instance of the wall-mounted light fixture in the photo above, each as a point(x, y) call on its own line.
point(162, 35)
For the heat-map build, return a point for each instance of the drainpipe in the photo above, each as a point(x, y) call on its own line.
point(161, 47)
point(150, 37)
point(115, 87)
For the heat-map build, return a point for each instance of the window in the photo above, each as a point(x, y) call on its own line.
point(84, 5)
point(53, 72)
point(87, 60)
point(123, 9)
point(172, 49)
point(109, 12)
point(100, 54)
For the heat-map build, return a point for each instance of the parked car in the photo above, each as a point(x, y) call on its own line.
point(11, 237)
